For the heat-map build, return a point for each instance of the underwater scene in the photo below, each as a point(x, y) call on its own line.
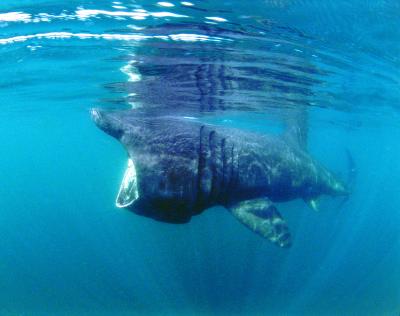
point(200, 158)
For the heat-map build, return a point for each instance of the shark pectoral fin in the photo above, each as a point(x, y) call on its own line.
point(128, 191)
point(262, 217)
point(313, 204)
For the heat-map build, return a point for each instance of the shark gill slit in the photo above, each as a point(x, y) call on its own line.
point(213, 165)
point(200, 166)
point(232, 171)
point(223, 171)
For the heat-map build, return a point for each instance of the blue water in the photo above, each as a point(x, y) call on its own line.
point(65, 249)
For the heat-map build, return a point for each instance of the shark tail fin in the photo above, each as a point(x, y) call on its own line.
point(351, 177)
point(352, 171)
point(262, 217)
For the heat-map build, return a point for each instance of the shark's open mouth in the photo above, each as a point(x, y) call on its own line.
point(128, 191)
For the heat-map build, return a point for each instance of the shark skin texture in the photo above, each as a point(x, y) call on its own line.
point(179, 167)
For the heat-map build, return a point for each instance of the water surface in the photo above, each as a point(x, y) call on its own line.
point(67, 250)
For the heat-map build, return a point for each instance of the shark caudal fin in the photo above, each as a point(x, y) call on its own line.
point(351, 171)
point(351, 177)
point(262, 217)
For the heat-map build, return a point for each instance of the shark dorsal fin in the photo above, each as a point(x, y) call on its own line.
point(296, 127)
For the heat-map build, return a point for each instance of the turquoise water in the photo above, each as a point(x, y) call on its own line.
point(65, 249)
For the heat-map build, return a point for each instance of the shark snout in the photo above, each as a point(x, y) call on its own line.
point(108, 122)
point(96, 115)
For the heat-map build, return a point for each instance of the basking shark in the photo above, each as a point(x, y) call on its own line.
point(179, 167)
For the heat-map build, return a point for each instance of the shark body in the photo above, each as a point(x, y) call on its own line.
point(180, 167)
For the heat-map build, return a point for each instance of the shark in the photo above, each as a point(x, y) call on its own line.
point(179, 167)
